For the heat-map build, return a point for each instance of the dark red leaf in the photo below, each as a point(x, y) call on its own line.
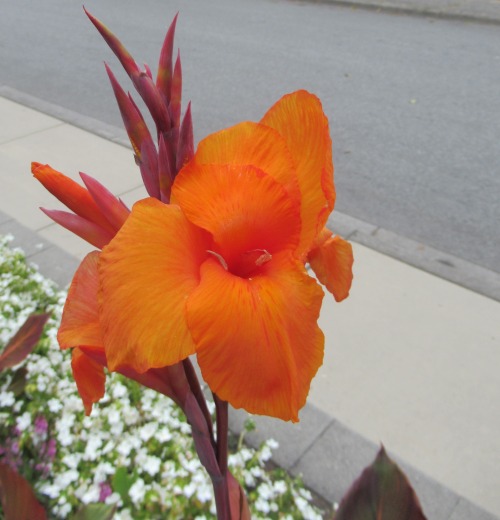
point(17, 498)
point(164, 76)
point(116, 46)
point(135, 125)
point(176, 94)
point(154, 101)
point(93, 233)
point(24, 341)
point(382, 492)
point(186, 144)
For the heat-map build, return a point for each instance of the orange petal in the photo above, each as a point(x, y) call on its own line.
point(299, 118)
point(80, 319)
point(242, 207)
point(257, 339)
point(146, 272)
point(332, 262)
point(89, 377)
point(251, 144)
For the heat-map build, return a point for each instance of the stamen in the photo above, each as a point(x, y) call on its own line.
point(264, 257)
point(220, 258)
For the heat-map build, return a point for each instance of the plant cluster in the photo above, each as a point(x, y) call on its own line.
point(134, 451)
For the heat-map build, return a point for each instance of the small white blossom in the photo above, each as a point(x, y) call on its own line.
point(23, 421)
point(7, 399)
point(163, 435)
point(137, 491)
point(54, 405)
point(119, 390)
point(51, 490)
point(262, 505)
point(147, 431)
point(152, 465)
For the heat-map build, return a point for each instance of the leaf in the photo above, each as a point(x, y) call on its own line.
point(17, 498)
point(121, 483)
point(382, 492)
point(24, 341)
point(95, 512)
point(18, 383)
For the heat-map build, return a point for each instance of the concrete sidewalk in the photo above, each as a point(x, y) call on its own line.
point(411, 360)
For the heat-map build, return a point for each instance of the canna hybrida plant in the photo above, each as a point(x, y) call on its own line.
point(213, 263)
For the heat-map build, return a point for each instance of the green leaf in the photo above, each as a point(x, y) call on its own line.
point(24, 341)
point(18, 383)
point(382, 492)
point(121, 483)
point(95, 512)
point(17, 498)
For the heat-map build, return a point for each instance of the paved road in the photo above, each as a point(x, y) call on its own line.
point(414, 103)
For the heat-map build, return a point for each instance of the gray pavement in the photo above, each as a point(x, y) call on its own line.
point(410, 359)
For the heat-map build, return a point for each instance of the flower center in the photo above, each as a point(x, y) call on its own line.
point(247, 263)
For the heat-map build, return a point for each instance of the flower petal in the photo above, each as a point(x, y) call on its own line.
point(257, 339)
point(146, 273)
point(242, 207)
point(332, 262)
point(89, 377)
point(251, 144)
point(300, 119)
point(80, 319)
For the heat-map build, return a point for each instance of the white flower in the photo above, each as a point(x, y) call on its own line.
point(92, 448)
point(262, 506)
point(7, 399)
point(265, 491)
point(152, 465)
point(204, 493)
point(163, 435)
point(273, 444)
point(23, 421)
point(125, 447)
point(305, 508)
point(189, 489)
point(54, 405)
point(116, 429)
point(102, 471)
point(91, 495)
point(119, 390)
point(71, 460)
point(51, 490)
point(114, 416)
point(147, 431)
point(124, 514)
point(114, 498)
point(64, 510)
point(131, 417)
point(63, 479)
point(64, 436)
point(279, 487)
point(137, 491)
point(265, 453)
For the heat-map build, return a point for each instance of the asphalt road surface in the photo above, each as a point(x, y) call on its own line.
point(413, 102)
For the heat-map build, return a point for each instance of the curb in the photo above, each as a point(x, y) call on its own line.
point(327, 454)
point(480, 11)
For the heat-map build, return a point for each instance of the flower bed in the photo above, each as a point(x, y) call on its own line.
point(135, 449)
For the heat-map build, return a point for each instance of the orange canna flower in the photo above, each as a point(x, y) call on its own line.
point(220, 271)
